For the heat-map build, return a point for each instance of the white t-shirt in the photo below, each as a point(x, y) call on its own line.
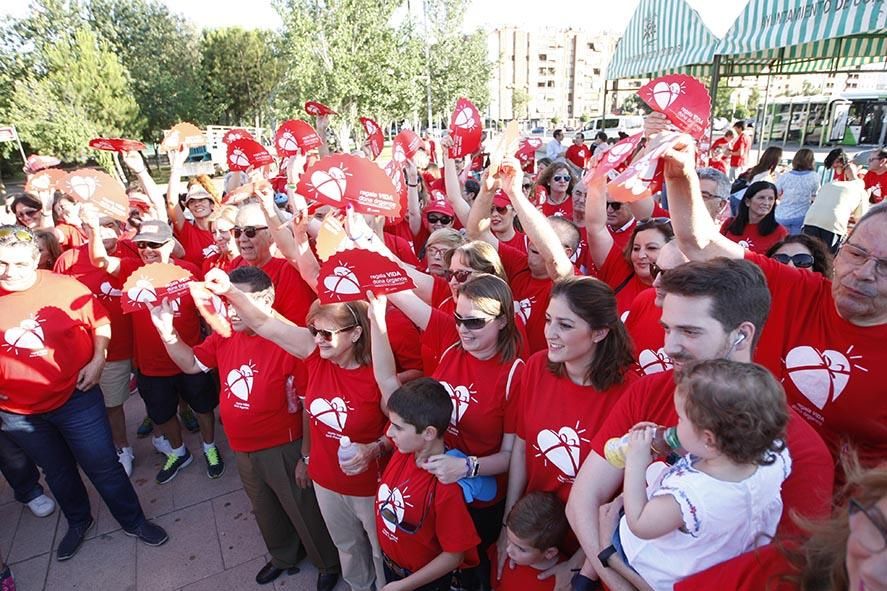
point(721, 520)
point(796, 188)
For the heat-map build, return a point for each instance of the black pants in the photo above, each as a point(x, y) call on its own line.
point(20, 470)
point(832, 241)
point(441, 584)
point(488, 523)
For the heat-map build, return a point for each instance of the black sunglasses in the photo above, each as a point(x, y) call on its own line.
point(527, 185)
point(614, 205)
point(439, 219)
point(472, 323)
point(461, 275)
point(143, 244)
point(388, 510)
point(562, 177)
point(656, 271)
point(327, 335)
point(250, 231)
point(28, 213)
point(799, 260)
point(653, 223)
point(500, 210)
point(875, 538)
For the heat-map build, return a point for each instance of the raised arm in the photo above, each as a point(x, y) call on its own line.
point(292, 244)
point(384, 366)
point(600, 241)
point(322, 123)
point(536, 226)
point(173, 207)
point(478, 226)
point(697, 235)
point(453, 186)
point(136, 164)
point(414, 210)
point(98, 256)
point(294, 339)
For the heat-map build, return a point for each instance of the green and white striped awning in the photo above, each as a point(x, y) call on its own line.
point(798, 36)
point(663, 36)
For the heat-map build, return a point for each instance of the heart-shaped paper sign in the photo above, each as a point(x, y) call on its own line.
point(348, 274)
point(318, 109)
point(394, 171)
point(374, 136)
point(465, 129)
point(342, 178)
point(183, 135)
point(643, 177)
point(295, 135)
point(153, 282)
point(527, 149)
point(245, 154)
point(406, 144)
point(98, 189)
point(683, 99)
point(116, 144)
point(211, 307)
point(47, 179)
point(620, 152)
point(236, 134)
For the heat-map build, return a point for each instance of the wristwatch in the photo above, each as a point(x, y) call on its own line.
point(605, 554)
point(305, 459)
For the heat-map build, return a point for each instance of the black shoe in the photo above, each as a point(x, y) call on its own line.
point(215, 465)
point(326, 582)
point(172, 466)
point(71, 542)
point(270, 572)
point(149, 533)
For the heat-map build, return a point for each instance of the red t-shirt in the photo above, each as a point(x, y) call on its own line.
point(761, 569)
point(833, 371)
point(530, 294)
point(217, 261)
point(558, 420)
point(622, 236)
point(751, 239)
point(578, 155)
point(405, 339)
point(198, 244)
point(481, 393)
point(342, 402)
point(401, 229)
point(564, 209)
point(741, 145)
point(292, 296)
point(808, 489)
point(107, 289)
point(72, 236)
point(252, 402)
point(647, 333)
point(518, 242)
point(401, 248)
point(517, 577)
point(149, 353)
point(873, 179)
point(47, 339)
point(422, 516)
point(620, 276)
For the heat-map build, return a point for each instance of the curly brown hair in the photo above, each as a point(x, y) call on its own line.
point(742, 404)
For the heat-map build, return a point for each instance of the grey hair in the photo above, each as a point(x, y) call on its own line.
point(713, 174)
point(879, 209)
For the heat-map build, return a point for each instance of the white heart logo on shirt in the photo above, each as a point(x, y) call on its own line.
point(83, 186)
point(391, 504)
point(654, 361)
point(460, 396)
point(561, 448)
point(210, 250)
point(821, 376)
point(332, 413)
point(240, 381)
point(109, 290)
point(524, 307)
point(142, 292)
point(343, 281)
point(330, 183)
point(27, 335)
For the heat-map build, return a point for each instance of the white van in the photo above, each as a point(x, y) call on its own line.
point(612, 125)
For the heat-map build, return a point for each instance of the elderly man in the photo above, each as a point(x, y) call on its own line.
point(715, 189)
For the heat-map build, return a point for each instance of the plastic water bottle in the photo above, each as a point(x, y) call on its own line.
point(665, 441)
point(347, 450)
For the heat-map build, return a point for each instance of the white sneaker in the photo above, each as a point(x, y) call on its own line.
point(42, 506)
point(162, 445)
point(126, 458)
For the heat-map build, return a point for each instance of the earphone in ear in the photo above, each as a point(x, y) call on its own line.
point(739, 339)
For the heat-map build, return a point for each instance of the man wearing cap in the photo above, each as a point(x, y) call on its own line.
point(578, 153)
point(160, 380)
point(194, 236)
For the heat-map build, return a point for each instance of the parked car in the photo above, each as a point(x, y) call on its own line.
point(630, 124)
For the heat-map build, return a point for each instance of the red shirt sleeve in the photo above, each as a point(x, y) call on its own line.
point(206, 352)
point(405, 340)
point(454, 529)
point(440, 334)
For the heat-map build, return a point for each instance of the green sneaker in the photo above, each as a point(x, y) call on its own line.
point(172, 466)
point(145, 428)
point(215, 465)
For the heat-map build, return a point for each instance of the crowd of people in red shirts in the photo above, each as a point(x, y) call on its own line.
point(578, 393)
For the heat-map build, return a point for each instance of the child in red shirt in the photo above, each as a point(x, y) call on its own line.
point(423, 525)
point(536, 526)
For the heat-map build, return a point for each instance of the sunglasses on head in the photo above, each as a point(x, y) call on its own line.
point(250, 231)
point(653, 223)
point(434, 218)
point(614, 205)
point(327, 335)
point(800, 260)
point(562, 178)
point(461, 275)
point(143, 244)
point(472, 323)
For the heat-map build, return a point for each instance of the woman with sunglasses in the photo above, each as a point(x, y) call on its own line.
point(342, 399)
point(566, 392)
point(627, 272)
point(755, 226)
point(557, 181)
point(221, 224)
point(439, 243)
point(479, 347)
point(803, 252)
point(201, 200)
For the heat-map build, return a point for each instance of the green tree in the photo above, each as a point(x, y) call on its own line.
point(240, 72)
point(84, 93)
point(520, 99)
point(161, 52)
point(633, 104)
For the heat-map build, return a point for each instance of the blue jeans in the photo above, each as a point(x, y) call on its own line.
point(77, 433)
point(793, 225)
point(19, 470)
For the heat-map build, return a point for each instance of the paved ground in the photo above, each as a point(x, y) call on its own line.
point(214, 542)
